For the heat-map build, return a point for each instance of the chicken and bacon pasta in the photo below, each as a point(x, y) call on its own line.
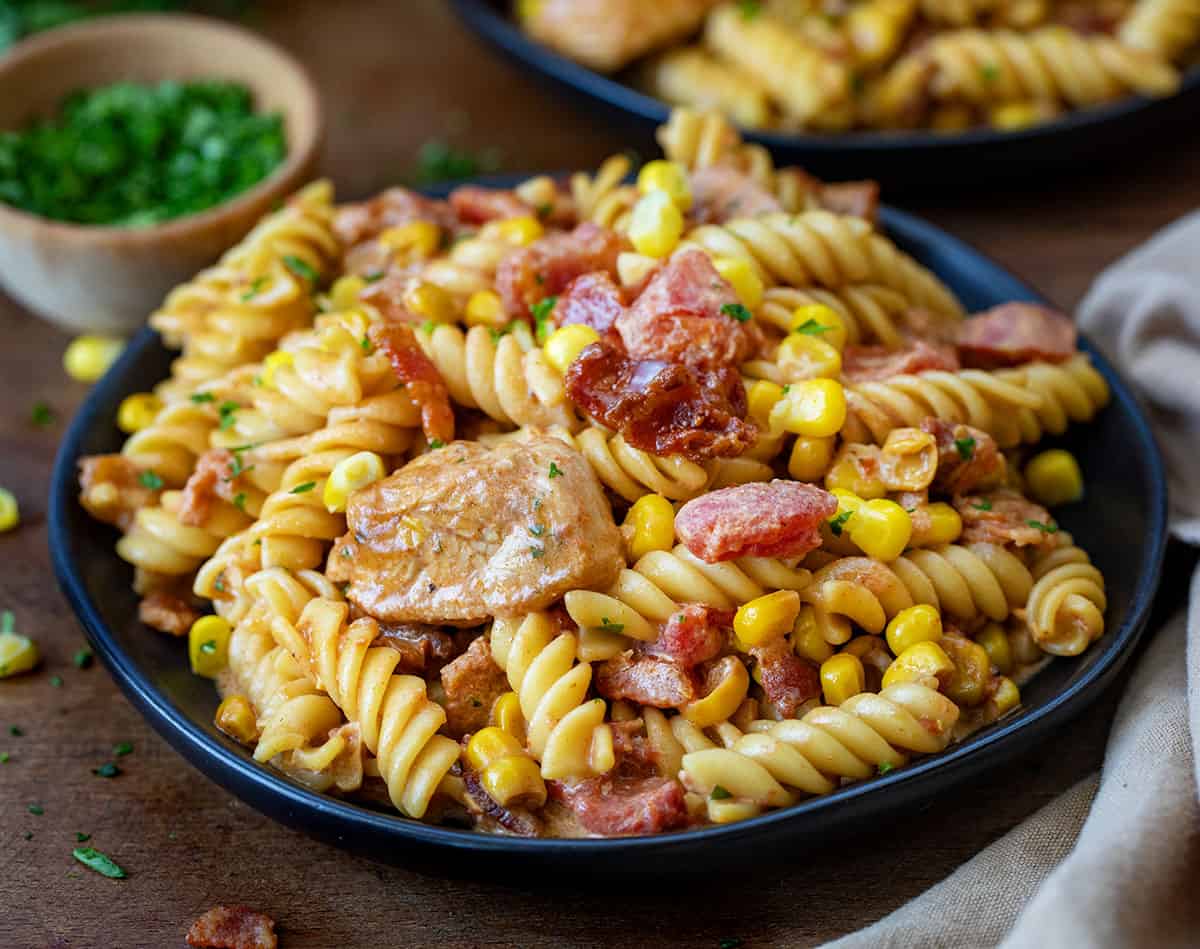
point(598, 508)
point(838, 65)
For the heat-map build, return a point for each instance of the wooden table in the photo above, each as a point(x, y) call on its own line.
point(393, 76)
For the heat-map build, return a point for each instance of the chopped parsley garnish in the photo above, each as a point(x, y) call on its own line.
point(476, 702)
point(208, 647)
point(541, 316)
point(238, 466)
point(347, 552)
point(984, 505)
point(838, 522)
point(8, 622)
point(93, 859)
point(428, 327)
point(219, 583)
point(729, 944)
point(122, 749)
point(537, 530)
point(374, 276)
point(885, 767)
point(537, 503)
point(302, 488)
point(148, 479)
point(719, 793)
point(81, 837)
point(106, 770)
point(201, 397)
point(787, 389)
point(989, 72)
point(83, 658)
point(811, 328)
point(15, 731)
point(300, 268)
point(966, 447)
point(436, 443)
point(537, 552)
point(56, 682)
point(41, 415)
point(367, 346)
point(544, 210)
point(736, 311)
point(438, 161)
point(749, 8)
point(555, 471)
point(1044, 528)
point(5, 757)
point(255, 287)
point(228, 413)
point(608, 626)
point(36, 810)
point(496, 334)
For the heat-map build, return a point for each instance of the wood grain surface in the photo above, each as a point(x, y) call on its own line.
point(394, 75)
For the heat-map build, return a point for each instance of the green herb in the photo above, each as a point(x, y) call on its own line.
point(238, 466)
point(537, 503)
point(136, 154)
point(219, 583)
point(36, 810)
point(608, 626)
point(729, 944)
point(41, 415)
point(81, 837)
point(255, 288)
point(787, 389)
point(375, 276)
point(555, 471)
point(148, 479)
point(209, 647)
point(302, 488)
point(885, 767)
point(438, 161)
point(93, 859)
point(122, 749)
point(749, 8)
point(537, 530)
point(966, 447)
point(428, 327)
point(719, 793)
point(541, 316)
point(300, 268)
point(737, 311)
point(5, 757)
point(8, 622)
point(83, 658)
point(228, 414)
point(239, 500)
point(812, 328)
point(497, 334)
point(106, 770)
point(537, 552)
point(984, 505)
point(201, 397)
point(15, 731)
point(28, 835)
point(1044, 528)
point(476, 703)
point(544, 210)
point(347, 552)
point(837, 523)
point(436, 443)
point(367, 346)
point(989, 72)
point(56, 682)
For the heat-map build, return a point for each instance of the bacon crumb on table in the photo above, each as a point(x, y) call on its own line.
point(1015, 333)
point(233, 927)
point(775, 519)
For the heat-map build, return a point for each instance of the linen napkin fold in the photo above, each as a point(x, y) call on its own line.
point(1115, 860)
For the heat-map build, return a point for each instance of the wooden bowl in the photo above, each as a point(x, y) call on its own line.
point(101, 279)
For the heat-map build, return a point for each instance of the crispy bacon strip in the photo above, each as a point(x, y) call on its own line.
point(233, 927)
point(1013, 333)
point(420, 377)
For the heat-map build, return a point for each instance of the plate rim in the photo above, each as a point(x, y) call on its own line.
point(286, 800)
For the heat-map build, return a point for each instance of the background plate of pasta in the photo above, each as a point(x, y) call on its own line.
point(930, 84)
point(619, 509)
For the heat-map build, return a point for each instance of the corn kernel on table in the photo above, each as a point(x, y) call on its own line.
point(395, 75)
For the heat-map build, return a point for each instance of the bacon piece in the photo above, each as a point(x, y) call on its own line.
point(787, 680)
point(233, 927)
point(167, 612)
point(472, 683)
point(1005, 517)
point(111, 489)
point(693, 634)
point(618, 805)
point(851, 198)
point(871, 363)
point(684, 316)
point(967, 458)
point(775, 519)
point(545, 267)
point(366, 220)
point(660, 407)
point(387, 293)
point(420, 377)
point(646, 680)
point(476, 205)
point(516, 820)
point(593, 300)
point(1014, 333)
point(919, 323)
point(212, 478)
point(422, 648)
point(720, 193)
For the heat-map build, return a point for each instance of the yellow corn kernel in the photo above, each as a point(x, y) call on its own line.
point(633, 269)
point(235, 717)
point(564, 345)
point(995, 643)
point(917, 624)
point(87, 358)
point(519, 231)
point(972, 670)
point(430, 302)
point(807, 640)
point(345, 290)
point(1053, 477)
point(881, 529)
point(761, 396)
point(842, 676)
point(506, 715)
point(652, 520)
point(746, 282)
point(17, 654)
point(765, 617)
point(814, 407)
point(416, 240)
point(528, 9)
point(1006, 697)
point(847, 474)
point(350, 475)
point(655, 225)
point(923, 662)
point(515, 781)
point(137, 411)
point(942, 526)
point(1017, 115)
point(669, 177)
point(723, 701)
point(491, 744)
point(810, 458)
point(208, 645)
point(10, 514)
point(485, 308)
point(272, 364)
point(806, 357)
point(821, 321)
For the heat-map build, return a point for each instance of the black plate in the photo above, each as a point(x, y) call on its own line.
point(1122, 524)
point(1081, 138)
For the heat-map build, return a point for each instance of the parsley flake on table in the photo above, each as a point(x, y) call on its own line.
point(106, 770)
point(56, 682)
point(438, 161)
point(93, 859)
point(15, 731)
point(41, 415)
point(8, 622)
point(737, 311)
point(83, 658)
point(5, 757)
point(81, 837)
point(36, 810)
point(122, 749)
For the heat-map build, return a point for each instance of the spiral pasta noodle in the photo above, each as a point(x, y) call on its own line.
point(604, 198)
point(869, 311)
point(1165, 28)
point(1065, 611)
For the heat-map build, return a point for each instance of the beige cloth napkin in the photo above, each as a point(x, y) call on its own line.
point(1115, 861)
